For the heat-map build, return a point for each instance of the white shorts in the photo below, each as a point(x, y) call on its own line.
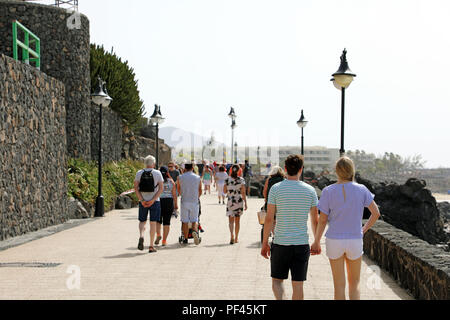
point(220, 186)
point(207, 182)
point(189, 212)
point(352, 248)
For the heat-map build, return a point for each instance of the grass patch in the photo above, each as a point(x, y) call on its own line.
point(117, 177)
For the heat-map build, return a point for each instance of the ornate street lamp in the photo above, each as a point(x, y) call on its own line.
point(233, 117)
point(101, 98)
point(342, 80)
point(302, 123)
point(156, 119)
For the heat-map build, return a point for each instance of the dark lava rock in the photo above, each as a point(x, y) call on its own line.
point(444, 209)
point(124, 202)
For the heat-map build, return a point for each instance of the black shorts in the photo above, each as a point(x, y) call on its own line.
point(167, 208)
point(293, 258)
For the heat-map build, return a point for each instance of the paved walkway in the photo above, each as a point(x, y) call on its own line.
point(112, 268)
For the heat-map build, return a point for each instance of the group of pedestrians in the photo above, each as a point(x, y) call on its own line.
point(158, 192)
point(290, 202)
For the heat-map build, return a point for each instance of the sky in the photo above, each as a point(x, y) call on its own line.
point(271, 59)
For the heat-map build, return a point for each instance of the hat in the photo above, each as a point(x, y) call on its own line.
point(164, 170)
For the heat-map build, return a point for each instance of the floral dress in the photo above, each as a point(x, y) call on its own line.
point(235, 204)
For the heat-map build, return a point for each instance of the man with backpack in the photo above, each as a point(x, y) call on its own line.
point(148, 184)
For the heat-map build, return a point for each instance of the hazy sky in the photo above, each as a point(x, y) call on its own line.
point(270, 59)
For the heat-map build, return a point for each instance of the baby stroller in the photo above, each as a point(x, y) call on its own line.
point(181, 238)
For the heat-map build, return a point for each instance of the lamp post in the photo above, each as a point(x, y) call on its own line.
point(342, 80)
point(156, 119)
point(101, 98)
point(302, 124)
point(233, 117)
point(235, 152)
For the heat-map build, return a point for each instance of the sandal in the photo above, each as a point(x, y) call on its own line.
point(151, 250)
point(232, 241)
point(158, 239)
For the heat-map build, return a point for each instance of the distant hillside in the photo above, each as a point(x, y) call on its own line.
point(179, 138)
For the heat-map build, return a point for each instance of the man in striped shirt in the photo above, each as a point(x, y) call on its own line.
point(292, 201)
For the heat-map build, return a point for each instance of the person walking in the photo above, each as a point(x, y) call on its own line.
point(207, 179)
point(342, 207)
point(293, 201)
point(276, 175)
point(248, 174)
point(189, 186)
point(173, 171)
point(237, 202)
point(169, 203)
point(220, 179)
point(148, 185)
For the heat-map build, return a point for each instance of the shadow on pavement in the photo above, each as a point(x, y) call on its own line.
point(218, 245)
point(127, 255)
point(256, 245)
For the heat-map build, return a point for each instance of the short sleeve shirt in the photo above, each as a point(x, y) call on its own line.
point(234, 186)
point(344, 205)
point(221, 177)
point(293, 200)
point(157, 177)
point(167, 192)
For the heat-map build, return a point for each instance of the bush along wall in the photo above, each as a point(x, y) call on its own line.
point(118, 177)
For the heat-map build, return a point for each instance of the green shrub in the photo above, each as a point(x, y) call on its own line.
point(120, 83)
point(118, 177)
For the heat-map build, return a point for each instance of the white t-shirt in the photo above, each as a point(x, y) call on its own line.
point(221, 177)
point(157, 177)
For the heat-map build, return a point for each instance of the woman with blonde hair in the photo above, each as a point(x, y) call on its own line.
point(276, 175)
point(342, 206)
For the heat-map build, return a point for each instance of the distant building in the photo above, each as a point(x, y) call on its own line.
point(316, 158)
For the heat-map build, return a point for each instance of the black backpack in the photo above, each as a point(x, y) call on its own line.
point(147, 183)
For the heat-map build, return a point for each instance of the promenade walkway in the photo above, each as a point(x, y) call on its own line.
point(104, 251)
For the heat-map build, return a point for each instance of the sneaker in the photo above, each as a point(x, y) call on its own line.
point(141, 244)
point(164, 243)
point(185, 241)
point(200, 229)
point(196, 238)
point(158, 239)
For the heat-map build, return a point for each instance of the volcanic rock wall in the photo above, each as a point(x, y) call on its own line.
point(33, 168)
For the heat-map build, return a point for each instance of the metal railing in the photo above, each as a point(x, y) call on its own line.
point(67, 4)
point(28, 54)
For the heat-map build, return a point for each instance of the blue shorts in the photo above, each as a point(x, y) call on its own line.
point(155, 212)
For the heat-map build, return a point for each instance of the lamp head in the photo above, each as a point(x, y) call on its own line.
point(302, 123)
point(232, 114)
point(157, 118)
point(344, 76)
point(99, 96)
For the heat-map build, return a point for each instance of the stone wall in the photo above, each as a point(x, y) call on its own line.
point(33, 174)
point(65, 55)
point(147, 147)
point(111, 137)
point(421, 268)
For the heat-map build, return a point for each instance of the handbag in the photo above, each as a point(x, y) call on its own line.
point(262, 216)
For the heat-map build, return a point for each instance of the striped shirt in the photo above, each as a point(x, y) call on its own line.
point(294, 200)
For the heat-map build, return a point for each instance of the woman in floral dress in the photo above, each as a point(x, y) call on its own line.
point(237, 202)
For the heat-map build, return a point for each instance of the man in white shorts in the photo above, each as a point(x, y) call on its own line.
point(189, 186)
